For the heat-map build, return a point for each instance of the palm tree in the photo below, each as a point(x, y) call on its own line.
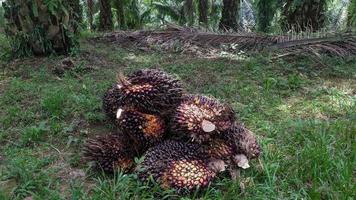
point(229, 15)
point(90, 13)
point(351, 17)
point(76, 13)
point(40, 28)
point(203, 12)
point(189, 11)
point(265, 13)
point(105, 18)
point(302, 15)
point(119, 5)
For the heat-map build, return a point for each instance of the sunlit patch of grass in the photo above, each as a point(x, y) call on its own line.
point(89, 34)
point(321, 157)
point(319, 103)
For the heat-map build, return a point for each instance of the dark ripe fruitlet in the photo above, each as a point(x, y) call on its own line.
point(151, 91)
point(177, 165)
point(245, 141)
point(112, 100)
point(202, 117)
point(144, 129)
point(219, 149)
point(110, 152)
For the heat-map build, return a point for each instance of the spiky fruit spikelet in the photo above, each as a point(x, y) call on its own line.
point(177, 165)
point(202, 117)
point(144, 129)
point(245, 141)
point(110, 152)
point(151, 91)
point(112, 100)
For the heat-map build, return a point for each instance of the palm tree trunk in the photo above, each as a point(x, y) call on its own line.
point(38, 29)
point(265, 13)
point(90, 4)
point(76, 14)
point(203, 12)
point(308, 16)
point(189, 12)
point(229, 16)
point(351, 15)
point(105, 18)
point(119, 5)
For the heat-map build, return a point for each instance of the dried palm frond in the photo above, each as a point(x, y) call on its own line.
point(337, 44)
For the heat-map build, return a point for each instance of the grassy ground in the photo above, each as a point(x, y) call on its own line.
point(302, 111)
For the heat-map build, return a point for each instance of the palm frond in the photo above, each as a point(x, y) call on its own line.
point(342, 45)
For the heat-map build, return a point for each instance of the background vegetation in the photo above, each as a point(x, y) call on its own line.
point(34, 26)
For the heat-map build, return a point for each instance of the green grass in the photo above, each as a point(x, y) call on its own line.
point(303, 113)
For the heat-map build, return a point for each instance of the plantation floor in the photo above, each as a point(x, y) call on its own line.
point(302, 110)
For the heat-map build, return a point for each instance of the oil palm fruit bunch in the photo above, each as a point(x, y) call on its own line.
point(145, 129)
point(202, 117)
point(178, 165)
point(186, 139)
point(112, 101)
point(151, 91)
point(110, 152)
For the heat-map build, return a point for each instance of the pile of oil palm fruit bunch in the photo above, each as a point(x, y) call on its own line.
point(185, 140)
